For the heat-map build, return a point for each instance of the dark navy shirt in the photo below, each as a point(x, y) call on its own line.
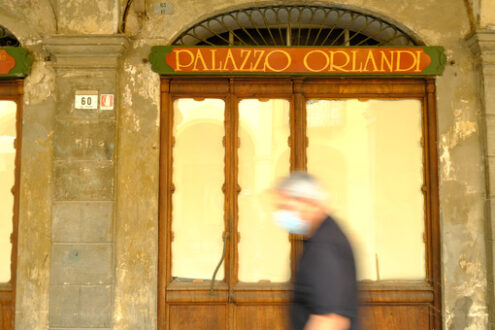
point(325, 280)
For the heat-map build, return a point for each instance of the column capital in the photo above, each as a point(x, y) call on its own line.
point(86, 51)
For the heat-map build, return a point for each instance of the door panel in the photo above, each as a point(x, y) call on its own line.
point(6, 315)
point(407, 317)
point(198, 317)
point(265, 317)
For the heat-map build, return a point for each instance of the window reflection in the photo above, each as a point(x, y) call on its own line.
point(7, 179)
point(198, 176)
point(369, 156)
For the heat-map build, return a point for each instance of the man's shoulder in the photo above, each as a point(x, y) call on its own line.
point(330, 234)
point(330, 229)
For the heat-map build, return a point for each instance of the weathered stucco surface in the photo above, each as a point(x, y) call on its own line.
point(487, 14)
point(137, 197)
point(87, 16)
point(35, 200)
point(135, 149)
point(28, 18)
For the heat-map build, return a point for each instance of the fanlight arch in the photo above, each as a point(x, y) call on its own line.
point(296, 25)
point(7, 38)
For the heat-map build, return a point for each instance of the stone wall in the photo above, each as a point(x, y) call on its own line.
point(89, 186)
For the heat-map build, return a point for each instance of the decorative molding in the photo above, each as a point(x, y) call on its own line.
point(86, 52)
point(482, 43)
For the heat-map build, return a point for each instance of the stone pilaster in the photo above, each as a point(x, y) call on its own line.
point(82, 276)
point(482, 43)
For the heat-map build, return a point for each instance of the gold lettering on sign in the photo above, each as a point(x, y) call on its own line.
point(398, 60)
point(306, 64)
point(267, 60)
point(334, 66)
point(244, 61)
point(418, 61)
point(314, 60)
point(213, 61)
point(260, 53)
point(353, 60)
point(178, 64)
point(389, 62)
point(370, 59)
point(199, 58)
point(232, 60)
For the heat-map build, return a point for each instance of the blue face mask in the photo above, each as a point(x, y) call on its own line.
point(292, 222)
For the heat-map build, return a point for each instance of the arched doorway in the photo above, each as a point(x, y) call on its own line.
point(372, 141)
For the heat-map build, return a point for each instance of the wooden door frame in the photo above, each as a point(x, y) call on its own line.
point(13, 90)
point(426, 293)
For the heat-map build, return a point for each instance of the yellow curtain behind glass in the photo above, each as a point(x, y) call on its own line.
point(198, 176)
point(264, 156)
point(7, 172)
point(369, 156)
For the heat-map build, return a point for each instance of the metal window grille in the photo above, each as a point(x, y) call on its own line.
point(7, 38)
point(295, 25)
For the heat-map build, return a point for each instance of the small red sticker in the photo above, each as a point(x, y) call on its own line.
point(106, 101)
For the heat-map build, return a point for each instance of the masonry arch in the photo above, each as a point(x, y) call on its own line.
point(389, 297)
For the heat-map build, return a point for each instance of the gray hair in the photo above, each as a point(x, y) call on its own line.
point(301, 185)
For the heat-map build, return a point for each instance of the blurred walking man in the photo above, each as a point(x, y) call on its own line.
point(325, 288)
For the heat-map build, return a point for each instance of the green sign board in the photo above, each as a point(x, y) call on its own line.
point(327, 61)
point(14, 62)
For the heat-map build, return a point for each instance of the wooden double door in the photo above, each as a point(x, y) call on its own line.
point(224, 264)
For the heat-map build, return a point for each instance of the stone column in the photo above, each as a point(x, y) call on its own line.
point(82, 265)
point(482, 43)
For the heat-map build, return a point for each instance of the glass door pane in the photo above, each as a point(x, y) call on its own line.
point(198, 200)
point(369, 156)
point(7, 178)
point(264, 156)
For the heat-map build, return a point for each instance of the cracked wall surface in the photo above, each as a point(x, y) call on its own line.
point(46, 183)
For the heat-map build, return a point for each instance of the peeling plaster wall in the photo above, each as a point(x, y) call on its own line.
point(137, 193)
point(462, 192)
point(87, 16)
point(487, 14)
point(34, 244)
point(28, 18)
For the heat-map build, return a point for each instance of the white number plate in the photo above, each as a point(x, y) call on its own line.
point(86, 101)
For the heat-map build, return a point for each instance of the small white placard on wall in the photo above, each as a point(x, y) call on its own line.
point(106, 101)
point(86, 100)
point(164, 8)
